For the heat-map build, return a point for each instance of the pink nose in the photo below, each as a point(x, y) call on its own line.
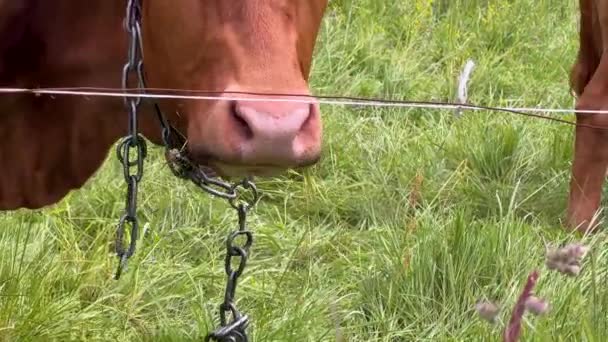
point(283, 134)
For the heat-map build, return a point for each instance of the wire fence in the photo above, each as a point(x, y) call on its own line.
point(180, 94)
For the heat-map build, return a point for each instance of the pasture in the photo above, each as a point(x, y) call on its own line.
point(410, 218)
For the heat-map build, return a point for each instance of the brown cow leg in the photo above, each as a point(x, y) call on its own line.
point(588, 174)
point(590, 154)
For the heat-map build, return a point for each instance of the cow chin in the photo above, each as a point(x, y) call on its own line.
point(240, 171)
point(234, 169)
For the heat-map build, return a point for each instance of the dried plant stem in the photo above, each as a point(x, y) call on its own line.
point(513, 330)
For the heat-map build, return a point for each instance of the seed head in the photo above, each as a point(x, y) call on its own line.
point(566, 260)
point(487, 310)
point(537, 306)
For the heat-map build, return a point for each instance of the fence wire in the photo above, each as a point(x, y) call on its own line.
point(179, 94)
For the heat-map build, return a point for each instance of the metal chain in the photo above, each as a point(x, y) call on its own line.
point(182, 167)
point(132, 142)
point(235, 330)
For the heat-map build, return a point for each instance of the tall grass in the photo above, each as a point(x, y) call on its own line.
point(409, 219)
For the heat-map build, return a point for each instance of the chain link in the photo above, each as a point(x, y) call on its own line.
point(234, 331)
point(182, 167)
point(133, 170)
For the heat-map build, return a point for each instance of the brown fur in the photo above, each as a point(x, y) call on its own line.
point(51, 145)
point(588, 55)
point(589, 81)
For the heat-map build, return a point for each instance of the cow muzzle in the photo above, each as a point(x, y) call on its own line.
point(255, 136)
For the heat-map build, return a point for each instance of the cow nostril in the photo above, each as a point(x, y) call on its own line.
point(241, 123)
point(309, 117)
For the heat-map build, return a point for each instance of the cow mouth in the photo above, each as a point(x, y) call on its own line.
point(213, 166)
point(235, 170)
point(227, 170)
point(181, 164)
point(231, 170)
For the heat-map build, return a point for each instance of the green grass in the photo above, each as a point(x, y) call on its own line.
point(410, 218)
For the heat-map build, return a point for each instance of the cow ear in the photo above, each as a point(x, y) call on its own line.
point(50, 147)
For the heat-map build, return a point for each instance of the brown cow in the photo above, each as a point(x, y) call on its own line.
point(49, 146)
point(589, 80)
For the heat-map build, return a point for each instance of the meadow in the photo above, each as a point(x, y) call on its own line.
point(410, 218)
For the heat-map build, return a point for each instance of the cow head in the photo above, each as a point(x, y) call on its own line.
point(262, 46)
